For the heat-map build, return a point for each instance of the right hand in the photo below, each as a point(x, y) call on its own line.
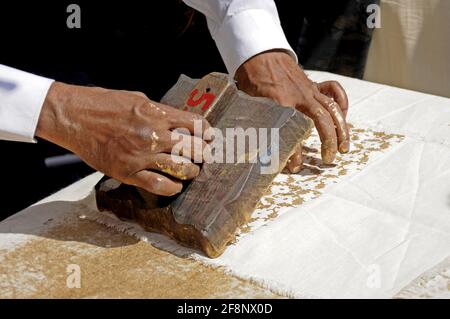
point(276, 75)
point(122, 134)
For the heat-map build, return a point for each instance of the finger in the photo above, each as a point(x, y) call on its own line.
point(334, 89)
point(191, 147)
point(194, 123)
point(138, 93)
point(176, 166)
point(339, 121)
point(295, 162)
point(325, 127)
point(155, 183)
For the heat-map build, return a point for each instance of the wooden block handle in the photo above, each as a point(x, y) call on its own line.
point(207, 93)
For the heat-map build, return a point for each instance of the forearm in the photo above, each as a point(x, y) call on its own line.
point(67, 112)
point(48, 123)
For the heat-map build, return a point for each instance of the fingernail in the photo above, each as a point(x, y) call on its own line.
point(344, 147)
point(295, 169)
point(327, 156)
point(177, 190)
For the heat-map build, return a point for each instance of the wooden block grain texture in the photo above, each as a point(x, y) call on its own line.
point(211, 208)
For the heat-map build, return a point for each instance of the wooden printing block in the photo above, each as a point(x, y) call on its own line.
point(211, 208)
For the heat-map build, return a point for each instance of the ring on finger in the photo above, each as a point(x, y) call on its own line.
point(331, 103)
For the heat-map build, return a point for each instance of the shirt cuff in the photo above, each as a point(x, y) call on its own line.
point(22, 96)
point(247, 34)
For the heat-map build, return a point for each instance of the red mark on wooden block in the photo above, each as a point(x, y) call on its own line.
point(207, 97)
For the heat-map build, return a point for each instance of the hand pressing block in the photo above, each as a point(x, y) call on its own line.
point(211, 208)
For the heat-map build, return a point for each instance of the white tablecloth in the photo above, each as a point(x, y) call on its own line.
point(368, 232)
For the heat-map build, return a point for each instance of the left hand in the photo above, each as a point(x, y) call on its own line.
point(275, 74)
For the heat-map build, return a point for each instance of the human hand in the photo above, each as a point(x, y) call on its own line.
point(123, 134)
point(274, 74)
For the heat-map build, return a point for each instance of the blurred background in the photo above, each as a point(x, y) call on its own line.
point(412, 48)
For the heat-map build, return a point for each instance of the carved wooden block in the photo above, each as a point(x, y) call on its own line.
point(211, 208)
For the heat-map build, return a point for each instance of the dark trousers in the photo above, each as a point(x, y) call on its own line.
point(328, 35)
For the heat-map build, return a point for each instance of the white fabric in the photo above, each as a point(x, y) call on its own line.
point(21, 97)
point(374, 231)
point(241, 29)
point(366, 237)
point(370, 234)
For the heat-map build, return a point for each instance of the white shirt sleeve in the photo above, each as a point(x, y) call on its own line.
point(242, 28)
point(22, 95)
